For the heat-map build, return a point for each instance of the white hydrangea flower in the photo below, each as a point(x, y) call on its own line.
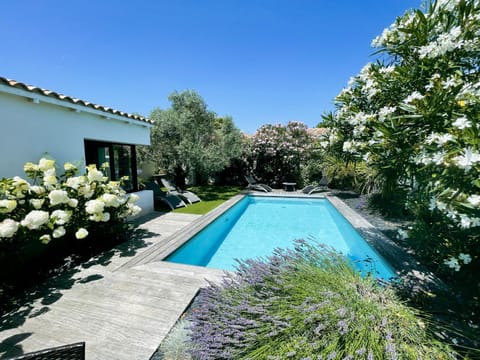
point(133, 210)
point(69, 167)
point(81, 233)
point(58, 197)
point(7, 206)
point(94, 206)
point(86, 191)
point(105, 216)
point(133, 198)
point(21, 187)
point(37, 203)
point(8, 228)
point(39, 190)
point(45, 239)
point(61, 217)
point(75, 182)
point(45, 164)
point(73, 203)
point(462, 123)
point(50, 172)
point(94, 175)
point(58, 232)
point(111, 200)
point(30, 167)
point(49, 180)
point(35, 219)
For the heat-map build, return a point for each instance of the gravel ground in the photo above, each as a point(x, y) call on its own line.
point(359, 203)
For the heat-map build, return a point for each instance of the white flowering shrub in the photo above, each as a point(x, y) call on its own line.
point(278, 152)
point(54, 206)
point(413, 117)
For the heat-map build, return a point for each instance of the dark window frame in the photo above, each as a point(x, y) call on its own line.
point(91, 157)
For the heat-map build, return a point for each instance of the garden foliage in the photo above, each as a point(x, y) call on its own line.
point(307, 303)
point(190, 141)
point(278, 152)
point(413, 118)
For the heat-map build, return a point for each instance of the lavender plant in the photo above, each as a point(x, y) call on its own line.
point(307, 303)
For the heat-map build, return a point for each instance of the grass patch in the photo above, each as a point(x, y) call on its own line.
point(211, 195)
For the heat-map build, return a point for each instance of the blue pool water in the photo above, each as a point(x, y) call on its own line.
point(255, 226)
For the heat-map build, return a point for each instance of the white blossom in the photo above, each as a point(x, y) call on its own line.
point(60, 217)
point(37, 203)
point(58, 232)
point(452, 263)
point(8, 228)
point(465, 258)
point(7, 206)
point(73, 203)
point(39, 190)
point(462, 123)
point(35, 219)
point(111, 200)
point(81, 233)
point(58, 197)
point(133, 198)
point(468, 158)
point(94, 174)
point(474, 200)
point(412, 97)
point(45, 164)
point(45, 239)
point(94, 206)
point(75, 182)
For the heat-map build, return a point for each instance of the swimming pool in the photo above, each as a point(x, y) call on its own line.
point(255, 226)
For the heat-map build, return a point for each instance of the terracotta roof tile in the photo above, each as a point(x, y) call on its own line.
point(55, 95)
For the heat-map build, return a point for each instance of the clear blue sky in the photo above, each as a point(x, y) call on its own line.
point(259, 61)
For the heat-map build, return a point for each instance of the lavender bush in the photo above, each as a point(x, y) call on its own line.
point(307, 303)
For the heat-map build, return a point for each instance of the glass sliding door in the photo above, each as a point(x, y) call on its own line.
point(121, 160)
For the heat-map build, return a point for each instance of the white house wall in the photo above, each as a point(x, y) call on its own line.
point(28, 130)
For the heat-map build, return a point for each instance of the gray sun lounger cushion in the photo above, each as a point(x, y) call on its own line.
point(187, 196)
point(322, 186)
point(255, 185)
point(170, 200)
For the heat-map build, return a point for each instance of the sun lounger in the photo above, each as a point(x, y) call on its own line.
point(172, 201)
point(255, 185)
point(187, 196)
point(311, 189)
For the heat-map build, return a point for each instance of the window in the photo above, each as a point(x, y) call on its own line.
point(122, 160)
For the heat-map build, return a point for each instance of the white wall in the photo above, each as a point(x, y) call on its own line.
point(28, 130)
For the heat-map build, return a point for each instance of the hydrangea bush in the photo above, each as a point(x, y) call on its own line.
point(413, 117)
point(53, 206)
point(307, 303)
point(278, 152)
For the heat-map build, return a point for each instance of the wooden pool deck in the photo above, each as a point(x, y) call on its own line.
point(121, 312)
